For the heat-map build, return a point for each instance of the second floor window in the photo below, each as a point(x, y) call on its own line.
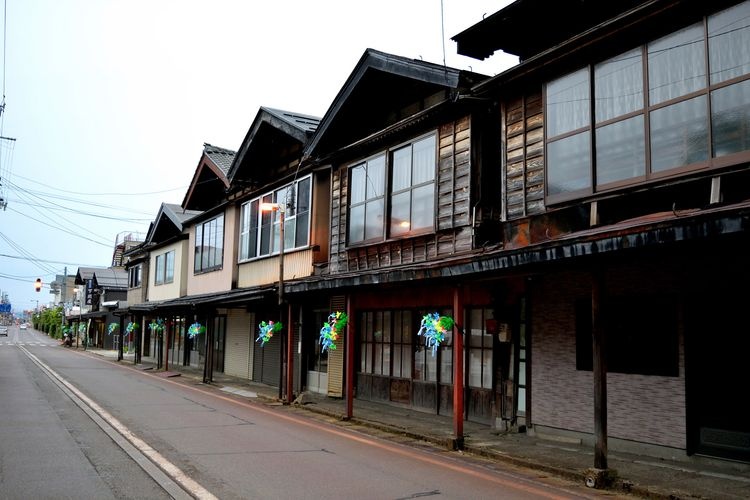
point(678, 103)
point(410, 205)
point(259, 230)
point(164, 268)
point(134, 276)
point(209, 245)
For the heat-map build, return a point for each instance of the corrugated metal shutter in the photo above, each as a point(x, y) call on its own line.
point(237, 347)
point(266, 362)
point(336, 357)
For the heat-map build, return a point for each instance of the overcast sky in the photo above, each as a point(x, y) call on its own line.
point(111, 101)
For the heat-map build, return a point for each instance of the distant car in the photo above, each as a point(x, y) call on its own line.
point(23, 326)
point(4, 331)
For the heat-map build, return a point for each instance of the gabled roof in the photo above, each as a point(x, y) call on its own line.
point(210, 179)
point(379, 87)
point(528, 27)
point(110, 278)
point(86, 273)
point(221, 157)
point(169, 222)
point(275, 137)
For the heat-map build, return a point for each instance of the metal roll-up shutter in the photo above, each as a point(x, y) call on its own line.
point(237, 348)
point(336, 356)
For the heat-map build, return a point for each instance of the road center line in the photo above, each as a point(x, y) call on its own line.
point(165, 473)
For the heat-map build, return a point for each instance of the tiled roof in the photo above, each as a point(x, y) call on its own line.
point(220, 156)
point(306, 123)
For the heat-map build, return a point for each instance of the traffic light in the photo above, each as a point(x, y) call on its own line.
point(38, 284)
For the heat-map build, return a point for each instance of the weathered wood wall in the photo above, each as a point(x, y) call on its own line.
point(453, 222)
point(524, 157)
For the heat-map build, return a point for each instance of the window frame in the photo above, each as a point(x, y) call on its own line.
point(162, 273)
point(387, 233)
point(701, 153)
point(262, 229)
point(210, 262)
point(135, 276)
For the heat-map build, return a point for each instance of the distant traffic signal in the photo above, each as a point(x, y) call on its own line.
point(38, 284)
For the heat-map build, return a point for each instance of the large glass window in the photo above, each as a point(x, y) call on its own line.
point(164, 268)
point(480, 349)
point(390, 346)
point(411, 170)
point(134, 276)
point(641, 132)
point(259, 229)
point(159, 273)
point(209, 244)
point(412, 187)
point(367, 195)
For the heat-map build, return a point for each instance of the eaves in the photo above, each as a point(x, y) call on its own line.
point(705, 225)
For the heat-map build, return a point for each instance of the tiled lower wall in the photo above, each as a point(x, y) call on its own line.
point(648, 409)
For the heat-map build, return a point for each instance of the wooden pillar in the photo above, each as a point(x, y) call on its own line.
point(458, 369)
point(600, 372)
point(290, 355)
point(349, 364)
point(121, 337)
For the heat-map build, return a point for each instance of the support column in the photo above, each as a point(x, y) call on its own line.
point(600, 373)
point(349, 364)
point(290, 355)
point(458, 369)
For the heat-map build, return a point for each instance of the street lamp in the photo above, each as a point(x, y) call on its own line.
point(279, 207)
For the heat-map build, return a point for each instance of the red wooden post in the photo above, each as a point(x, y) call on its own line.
point(458, 368)
point(349, 353)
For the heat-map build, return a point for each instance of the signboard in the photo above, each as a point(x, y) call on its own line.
point(5, 307)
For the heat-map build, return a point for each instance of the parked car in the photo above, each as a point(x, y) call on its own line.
point(4, 331)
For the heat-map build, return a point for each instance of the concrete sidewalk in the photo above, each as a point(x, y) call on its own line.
point(637, 473)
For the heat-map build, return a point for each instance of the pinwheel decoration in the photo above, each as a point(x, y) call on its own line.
point(132, 326)
point(112, 328)
point(156, 326)
point(433, 328)
point(196, 329)
point(267, 330)
point(331, 330)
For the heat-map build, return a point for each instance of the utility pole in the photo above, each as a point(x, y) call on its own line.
point(62, 297)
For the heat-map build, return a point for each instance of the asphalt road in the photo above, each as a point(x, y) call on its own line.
point(73, 425)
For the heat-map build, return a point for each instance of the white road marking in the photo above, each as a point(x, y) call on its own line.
point(188, 488)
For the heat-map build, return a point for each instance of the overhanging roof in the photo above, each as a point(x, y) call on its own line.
point(528, 27)
point(380, 85)
point(275, 136)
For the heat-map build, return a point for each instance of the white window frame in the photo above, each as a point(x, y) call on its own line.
point(259, 231)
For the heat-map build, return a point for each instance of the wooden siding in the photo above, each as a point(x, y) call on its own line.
point(297, 264)
point(453, 219)
point(336, 356)
point(524, 156)
point(238, 344)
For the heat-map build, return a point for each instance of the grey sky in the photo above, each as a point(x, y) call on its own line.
point(110, 103)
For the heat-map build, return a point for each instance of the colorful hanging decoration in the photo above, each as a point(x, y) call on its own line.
point(132, 326)
point(81, 327)
point(331, 330)
point(156, 326)
point(196, 329)
point(66, 329)
point(433, 328)
point(112, 328)
point(267, 330)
